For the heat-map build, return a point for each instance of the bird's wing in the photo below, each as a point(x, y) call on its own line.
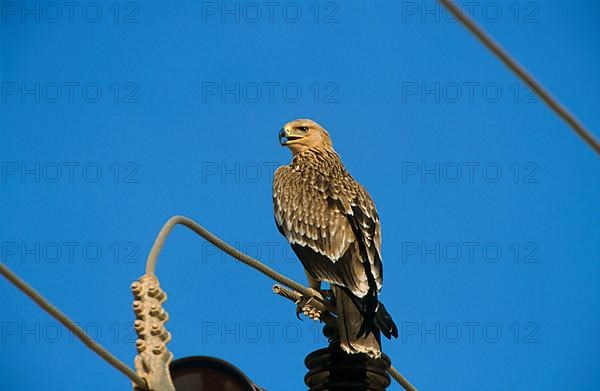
point(332, 225)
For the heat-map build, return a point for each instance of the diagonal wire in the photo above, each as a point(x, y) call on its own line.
point(522, 73)
point(69, 324)
point(401, 379)
point(248, 260)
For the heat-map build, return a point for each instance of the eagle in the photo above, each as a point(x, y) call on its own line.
point(333, 227)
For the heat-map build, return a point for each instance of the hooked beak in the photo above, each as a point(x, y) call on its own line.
point(286, 138)
point(283, 137)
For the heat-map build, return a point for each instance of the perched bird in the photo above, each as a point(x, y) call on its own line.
point(331, 223)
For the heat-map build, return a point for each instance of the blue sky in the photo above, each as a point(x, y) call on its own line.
point(115, 117)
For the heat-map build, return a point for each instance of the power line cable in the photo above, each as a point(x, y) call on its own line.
point(69, 324)
point(522, 73)
point(401, 379)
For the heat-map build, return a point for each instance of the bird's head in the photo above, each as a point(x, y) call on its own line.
point(302, 134)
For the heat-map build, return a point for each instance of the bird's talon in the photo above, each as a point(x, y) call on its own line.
point(312, 313)
point(304, 306)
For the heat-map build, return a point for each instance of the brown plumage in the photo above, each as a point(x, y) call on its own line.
point(332, 225)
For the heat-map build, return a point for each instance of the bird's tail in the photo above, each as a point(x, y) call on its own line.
point(360, 323)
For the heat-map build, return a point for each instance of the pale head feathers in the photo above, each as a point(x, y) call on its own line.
point(302, 134)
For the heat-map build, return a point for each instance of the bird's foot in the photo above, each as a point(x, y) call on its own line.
point(310, 312)
point(305, 307)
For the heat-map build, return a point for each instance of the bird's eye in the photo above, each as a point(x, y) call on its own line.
point(303, 129)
